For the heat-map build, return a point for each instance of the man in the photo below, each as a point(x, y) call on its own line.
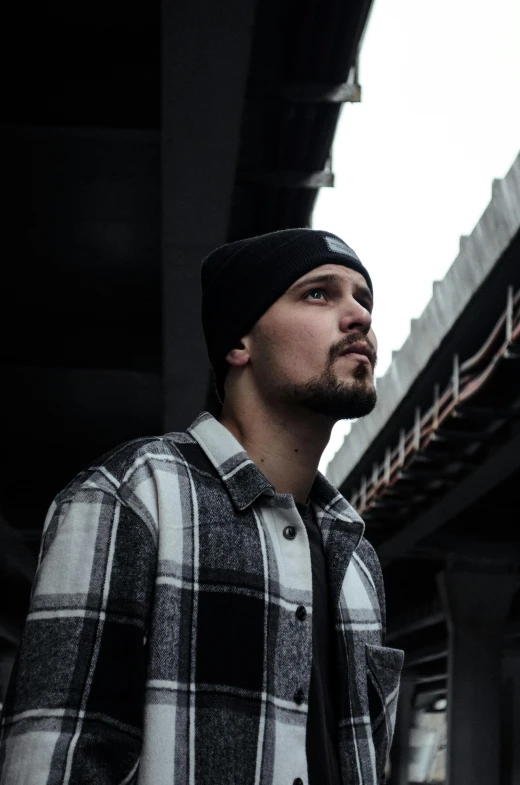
point(206, 609)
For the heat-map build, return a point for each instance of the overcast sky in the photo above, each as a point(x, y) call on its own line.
point(414, 161)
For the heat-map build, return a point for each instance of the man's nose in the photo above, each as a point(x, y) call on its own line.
point(355, 317)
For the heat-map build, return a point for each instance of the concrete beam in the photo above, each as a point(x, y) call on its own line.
point(309, 93)
point(426, 654)
point(432, 678)
point(425, 693)
point(288, 179)
point(424, 618)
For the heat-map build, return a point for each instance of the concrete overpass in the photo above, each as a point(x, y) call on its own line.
point(435, 472)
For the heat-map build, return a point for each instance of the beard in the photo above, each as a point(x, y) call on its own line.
point(328, 395)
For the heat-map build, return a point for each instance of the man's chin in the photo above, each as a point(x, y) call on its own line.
point(337, 400)
point(349, 407)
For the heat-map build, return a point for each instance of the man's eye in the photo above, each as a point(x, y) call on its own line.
point(313, 292)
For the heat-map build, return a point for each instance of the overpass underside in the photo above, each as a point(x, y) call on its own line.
point(135, 138)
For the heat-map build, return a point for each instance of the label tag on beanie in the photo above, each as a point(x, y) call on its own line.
point(338, 246)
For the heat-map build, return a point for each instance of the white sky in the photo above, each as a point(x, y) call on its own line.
point(414, 161)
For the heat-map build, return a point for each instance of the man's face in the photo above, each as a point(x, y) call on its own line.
point(315, 346)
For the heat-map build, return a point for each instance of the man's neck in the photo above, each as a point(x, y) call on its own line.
point(285, 445)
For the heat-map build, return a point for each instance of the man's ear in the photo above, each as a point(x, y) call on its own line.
point(238, 356)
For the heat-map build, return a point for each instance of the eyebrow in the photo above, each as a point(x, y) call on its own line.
point(330, 278)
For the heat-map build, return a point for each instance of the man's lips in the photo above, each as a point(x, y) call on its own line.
point(359, 351)
point(356, 356)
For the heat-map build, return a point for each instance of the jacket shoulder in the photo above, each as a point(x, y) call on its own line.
point(123, 466)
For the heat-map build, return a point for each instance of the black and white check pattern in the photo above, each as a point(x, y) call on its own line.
point(162, 645)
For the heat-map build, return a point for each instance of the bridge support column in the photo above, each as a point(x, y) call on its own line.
point(205, 52)
point(477, 595)
point(401, 743)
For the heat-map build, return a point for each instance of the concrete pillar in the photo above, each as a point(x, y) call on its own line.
point(401, 744)
point(477, 595)
point(511, 724)
point(205, 62)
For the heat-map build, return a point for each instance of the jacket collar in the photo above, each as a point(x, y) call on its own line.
point(244, 480)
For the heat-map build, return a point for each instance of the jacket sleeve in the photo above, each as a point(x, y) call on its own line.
point(73, 711)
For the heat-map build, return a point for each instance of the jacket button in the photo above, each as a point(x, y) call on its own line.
point(298, 781)
point(300, 613)
point(289, 532)
point(299, 696)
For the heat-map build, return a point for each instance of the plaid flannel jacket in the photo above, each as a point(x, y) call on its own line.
point(162, 645)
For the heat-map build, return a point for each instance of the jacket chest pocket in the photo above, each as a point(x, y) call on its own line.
point(384, 667)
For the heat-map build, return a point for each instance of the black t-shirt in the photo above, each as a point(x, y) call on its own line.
point(322, 733)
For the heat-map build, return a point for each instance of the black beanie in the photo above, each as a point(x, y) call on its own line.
point(241, 280)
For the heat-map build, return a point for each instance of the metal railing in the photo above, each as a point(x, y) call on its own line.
point(466, 380)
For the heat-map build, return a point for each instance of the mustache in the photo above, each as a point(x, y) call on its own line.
point(338, 348)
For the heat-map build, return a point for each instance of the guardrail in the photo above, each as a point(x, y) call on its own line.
point(467, 380)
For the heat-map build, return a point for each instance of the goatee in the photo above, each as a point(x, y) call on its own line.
point(332, 397)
